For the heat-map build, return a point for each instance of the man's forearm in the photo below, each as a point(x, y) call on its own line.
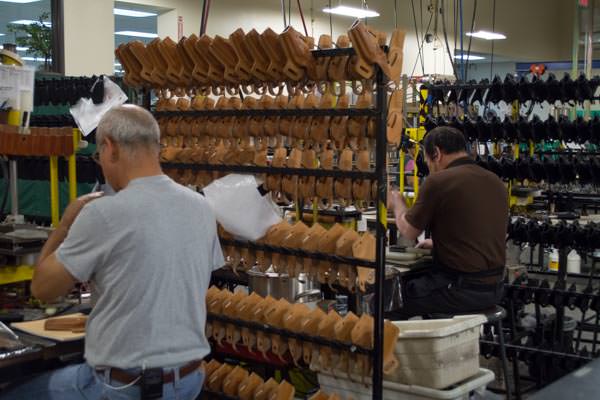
point(54, 240)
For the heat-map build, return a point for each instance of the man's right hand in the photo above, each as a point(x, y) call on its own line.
point(425, 244)
point(75, 207)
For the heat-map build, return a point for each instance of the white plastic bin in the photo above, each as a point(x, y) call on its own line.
point(437, 353)
point(392, 391)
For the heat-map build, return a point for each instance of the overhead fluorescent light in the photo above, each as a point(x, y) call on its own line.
point(22, 48)
point(19, 1)
point(351, 12)
point(133, 13)
point(470, 57)
point(136, 34)
point(2, 34)
point(487, 35)
point(30, 22)
point(38, 59)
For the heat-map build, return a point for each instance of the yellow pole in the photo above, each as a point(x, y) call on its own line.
point(54, 201)
point(401, 165)
point(415, 177)
point(73, 167)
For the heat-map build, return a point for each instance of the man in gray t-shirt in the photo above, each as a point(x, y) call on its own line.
point(148, 252)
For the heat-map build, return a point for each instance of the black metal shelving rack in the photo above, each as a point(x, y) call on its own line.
point(379, 113)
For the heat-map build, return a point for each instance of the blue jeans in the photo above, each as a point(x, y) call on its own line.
point(81, 381)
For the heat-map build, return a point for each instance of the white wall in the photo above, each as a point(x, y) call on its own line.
point(89, 27)
point(537, 30)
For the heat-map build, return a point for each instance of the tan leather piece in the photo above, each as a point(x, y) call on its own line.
point(186, 62)
point(310, 324)
point(337, 65)
point(209, 368)
point(357, 126)
point(222, 50)
point(297, 52)
point(230, 309)
point(361, 189)
point(284, 391)
point(327, 245)
point(276, 54)
point(307, 184)
point(324, 186)
point(139, 51)
point(311, 243)
point(273, 182)
point(395, 122)
point(274, 237)
point(233, 380)
point(342, 332)
point(320, 395)
point(289, 183)
point(215, 72)
point(199, 66)
point(292, 321)
point(259, 316)
point(160, 65)
point(367, 47)
point(293, 240)
point(395, 55)
point(365, 248)
point(339, 125)
point(319, 127)
point(285, 123)
point(131, 66)
point(358, 69)
point(249, 385)
point(215, 382)
point(175, 73)
point(263, 391)
point(343, 187)
point(274, 317)
point(326, 329)
point(243, 68)
point(301, 125)
point(216, 307)
point(343, 247)
point(255, 47)
point(317, 71)
point(272, 123)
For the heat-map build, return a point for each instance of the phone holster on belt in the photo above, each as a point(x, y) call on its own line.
point(152, 383)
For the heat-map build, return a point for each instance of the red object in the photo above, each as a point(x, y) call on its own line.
point(583, 3)
point(242, 351)
point(537, 69)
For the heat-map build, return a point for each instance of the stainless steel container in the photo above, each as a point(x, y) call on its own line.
point(278, 286)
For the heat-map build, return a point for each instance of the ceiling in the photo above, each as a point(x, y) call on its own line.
point(31, 11)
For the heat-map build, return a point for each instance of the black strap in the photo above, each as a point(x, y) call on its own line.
point(493, 272)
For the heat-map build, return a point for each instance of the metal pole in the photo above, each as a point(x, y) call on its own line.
point(54, 201)
point(14, 189)
point(58, 36)
point(380, 170)
point(589, 40)
point(73, 167)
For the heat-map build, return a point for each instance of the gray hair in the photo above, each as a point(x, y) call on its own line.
point(131, 126)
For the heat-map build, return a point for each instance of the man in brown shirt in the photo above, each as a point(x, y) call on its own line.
point(465, 207)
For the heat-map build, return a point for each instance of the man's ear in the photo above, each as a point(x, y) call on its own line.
point(437, 154)
point(113, 149)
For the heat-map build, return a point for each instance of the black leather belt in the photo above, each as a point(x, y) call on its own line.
point(125, 377)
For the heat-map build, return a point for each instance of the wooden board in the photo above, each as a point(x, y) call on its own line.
point(37, 328)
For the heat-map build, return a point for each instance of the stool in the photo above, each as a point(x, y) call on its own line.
point(494, 316)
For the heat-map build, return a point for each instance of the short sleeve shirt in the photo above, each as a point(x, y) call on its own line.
point(466, 209)
point(148, 252)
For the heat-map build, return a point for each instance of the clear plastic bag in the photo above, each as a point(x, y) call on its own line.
point(240, 208)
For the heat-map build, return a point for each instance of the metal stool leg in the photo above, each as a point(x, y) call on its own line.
point(503, 358)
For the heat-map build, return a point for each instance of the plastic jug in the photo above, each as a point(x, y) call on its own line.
point(573, 263)
point(553, 260)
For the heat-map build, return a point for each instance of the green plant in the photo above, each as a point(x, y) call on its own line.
point(36, 37)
